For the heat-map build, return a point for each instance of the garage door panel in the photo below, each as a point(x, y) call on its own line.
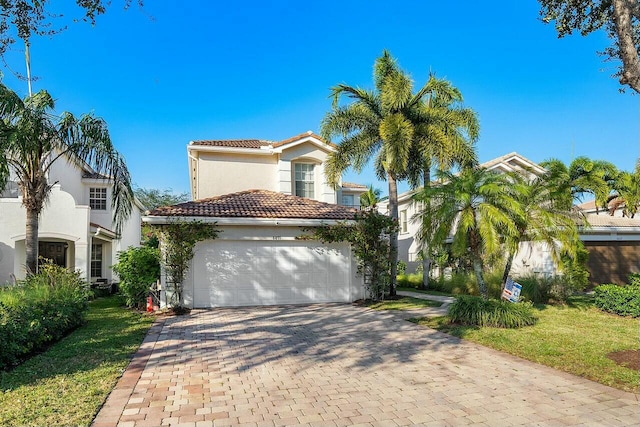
point(242, 273)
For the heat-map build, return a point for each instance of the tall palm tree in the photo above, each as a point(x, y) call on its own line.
point(472, 208)
point(375, 125)
point(446, 132)
point(539, 219)
point(582, 176)
point(370, 198)
point(32, 139)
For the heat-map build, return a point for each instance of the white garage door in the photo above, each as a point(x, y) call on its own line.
point(241, 273)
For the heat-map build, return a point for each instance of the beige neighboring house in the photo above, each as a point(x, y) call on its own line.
point(75, 228)
point(262, 194)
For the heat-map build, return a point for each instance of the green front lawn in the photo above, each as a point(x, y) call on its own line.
point(403, 303)
point(575, 338)
point(67, 384)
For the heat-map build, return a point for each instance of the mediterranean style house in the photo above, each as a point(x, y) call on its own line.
point(75, 228)
point(613, 242)
point(262, 195)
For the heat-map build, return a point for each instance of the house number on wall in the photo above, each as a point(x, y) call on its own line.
point(277, 237)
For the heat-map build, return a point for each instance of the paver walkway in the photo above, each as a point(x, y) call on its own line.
point(342, 365)
point(426, 311)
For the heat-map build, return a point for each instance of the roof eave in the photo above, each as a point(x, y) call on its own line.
point(291, 222)
point(230, 150)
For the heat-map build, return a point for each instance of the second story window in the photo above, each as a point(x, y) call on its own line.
point(347, 200)
point(98, 199)
point(303, 174)
point(403, 221)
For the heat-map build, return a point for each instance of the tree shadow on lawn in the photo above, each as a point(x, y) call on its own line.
point(110, 336)
point(352, 337)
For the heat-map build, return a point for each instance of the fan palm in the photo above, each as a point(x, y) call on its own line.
point(32, 140)
point(539, 219)
point(446, 132)
point(473, 209)
point(375, 125)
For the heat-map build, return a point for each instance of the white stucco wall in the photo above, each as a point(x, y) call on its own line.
point(61, 220)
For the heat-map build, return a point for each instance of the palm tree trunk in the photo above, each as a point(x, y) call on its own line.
point(482, 286)
point(393, 238)
point(31, 241)
point(426, 261)
point(507, 268)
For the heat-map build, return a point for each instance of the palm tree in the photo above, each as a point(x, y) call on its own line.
point(472, 208)
point(627, 192)
point(32, 140)
point(370, 198)
point(446, 134)
point(375, 125)
point(582, 176)
point(539, 219)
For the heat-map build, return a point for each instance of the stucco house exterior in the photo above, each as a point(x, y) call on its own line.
point(613, 242)
point(261, 195)
point(75, 228)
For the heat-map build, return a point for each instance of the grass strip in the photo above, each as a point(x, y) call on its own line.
point(403, 303)
point(67, 384)
point(574, 338)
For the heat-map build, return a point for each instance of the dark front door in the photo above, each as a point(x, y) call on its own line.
point(54, 251)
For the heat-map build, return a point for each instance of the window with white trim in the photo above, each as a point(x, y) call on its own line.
point(403, 221)
point(303, 177)
point(96, 260)
point(98, 199)
point(347, 200)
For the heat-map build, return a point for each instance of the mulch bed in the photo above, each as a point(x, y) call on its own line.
point(627, 358)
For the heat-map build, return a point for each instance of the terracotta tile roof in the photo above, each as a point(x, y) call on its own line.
point(257, 204)
point(353, 185)
point(256, 143)
point(234, 143)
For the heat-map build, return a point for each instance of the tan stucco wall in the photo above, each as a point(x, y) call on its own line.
point(219, 173)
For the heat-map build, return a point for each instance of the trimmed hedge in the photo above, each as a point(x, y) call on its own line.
point(472, 310)
point(621, 300)
point(39, 311)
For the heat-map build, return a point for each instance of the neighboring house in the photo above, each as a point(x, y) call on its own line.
point(75, 227)
point(408, 245)
point(261, 194)
point(613, 242)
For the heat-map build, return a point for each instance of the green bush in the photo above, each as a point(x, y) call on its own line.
point(634, 279)
point(138, 269)
point(410, 280)
point(38, 311)
point(473, 310)
point(401, 267)
point(621, 300)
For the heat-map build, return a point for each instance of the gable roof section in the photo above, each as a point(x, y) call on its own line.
point(252, 144)
point(512, 161)
point(257, 204)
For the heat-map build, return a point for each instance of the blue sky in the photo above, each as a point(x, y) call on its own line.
point(180, 71)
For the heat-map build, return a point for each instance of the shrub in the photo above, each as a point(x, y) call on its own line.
point(410, 280)
point(634, 279)
point(473, 310)
point(401, 267)
point(138, 269)
point(40, 310)
point(621, 300)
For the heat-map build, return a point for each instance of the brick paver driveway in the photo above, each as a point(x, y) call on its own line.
point(342, 365)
